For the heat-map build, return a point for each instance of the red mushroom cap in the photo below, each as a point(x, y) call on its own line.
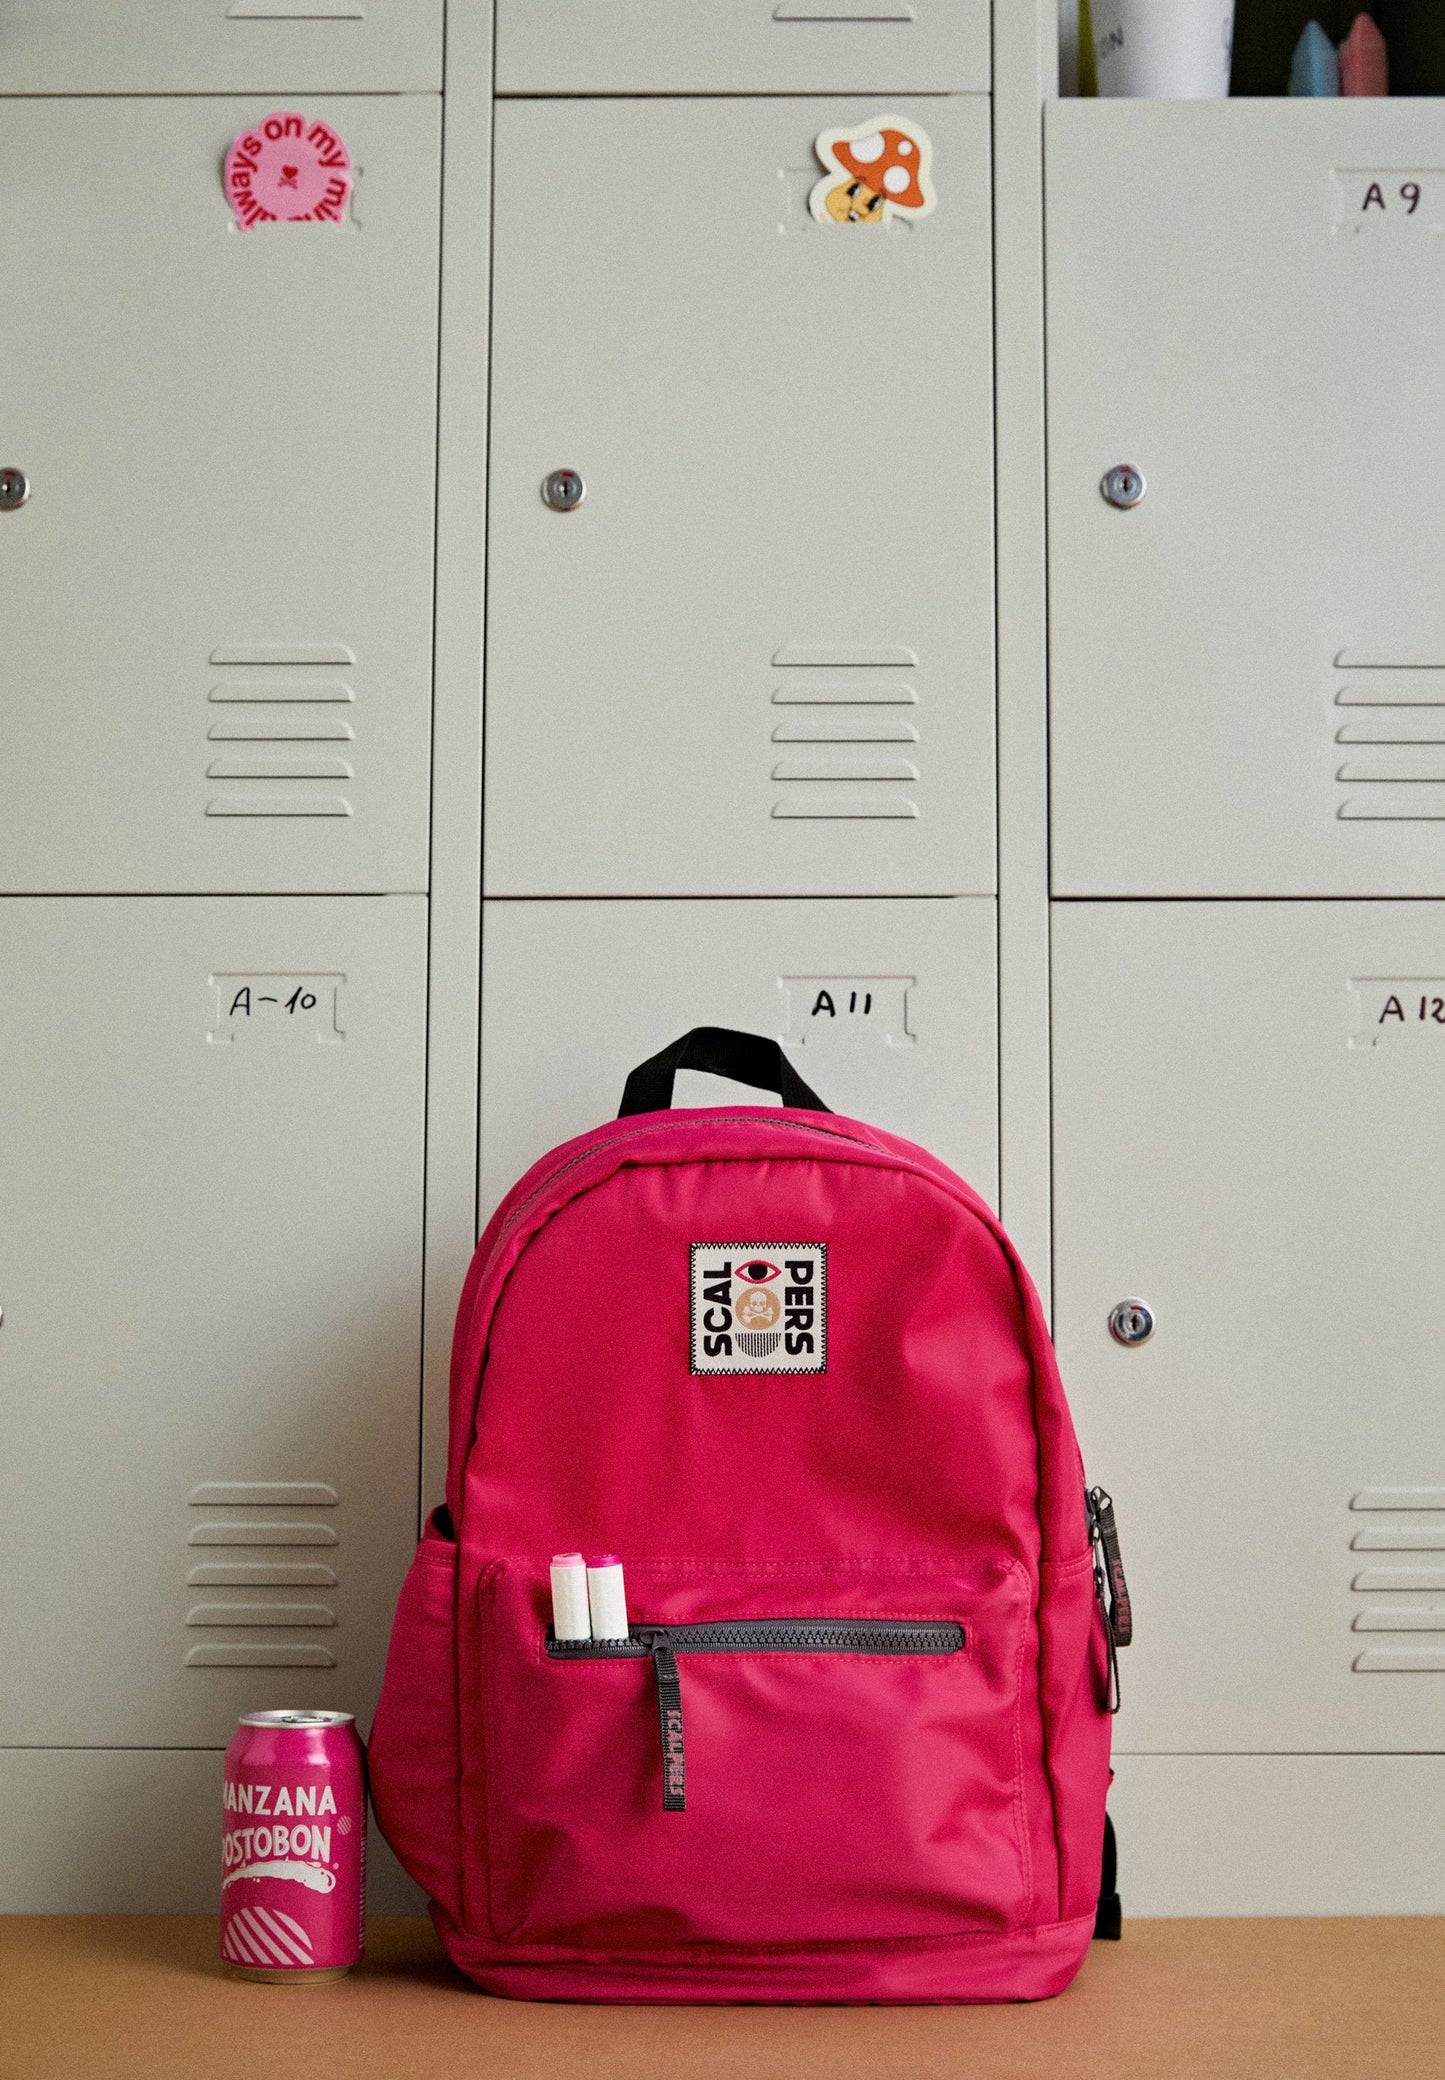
point(887, 162)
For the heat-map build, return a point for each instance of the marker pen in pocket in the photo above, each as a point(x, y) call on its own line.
point(570, 1618)
point(607, 1597)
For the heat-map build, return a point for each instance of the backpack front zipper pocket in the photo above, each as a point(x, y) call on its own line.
point(734, 1773)
point(743, 1636)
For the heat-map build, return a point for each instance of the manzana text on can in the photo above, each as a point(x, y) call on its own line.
point(293, 1847)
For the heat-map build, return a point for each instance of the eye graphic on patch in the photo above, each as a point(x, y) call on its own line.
point(758, 1271)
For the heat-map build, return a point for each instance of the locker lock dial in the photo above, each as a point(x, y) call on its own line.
point(1131, 1322)
point(1124, 486)
point(564, 490)
point(14, 490)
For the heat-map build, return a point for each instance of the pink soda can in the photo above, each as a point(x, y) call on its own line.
point(293, 1847)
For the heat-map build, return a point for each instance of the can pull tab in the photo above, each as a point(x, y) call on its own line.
point(1113, 1590)
point(669, 1717)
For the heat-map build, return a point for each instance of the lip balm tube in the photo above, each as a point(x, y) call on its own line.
point(607, 1597)
point(570, 1618)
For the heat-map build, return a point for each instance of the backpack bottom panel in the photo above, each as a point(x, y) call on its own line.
point(1025, 1964)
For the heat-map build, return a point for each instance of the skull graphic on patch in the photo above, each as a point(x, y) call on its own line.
point(759, 1307)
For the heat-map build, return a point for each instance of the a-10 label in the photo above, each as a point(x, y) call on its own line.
point(276, 1007)
point(1400, 1007)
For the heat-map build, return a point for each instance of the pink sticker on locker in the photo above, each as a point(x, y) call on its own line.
point(288, 169)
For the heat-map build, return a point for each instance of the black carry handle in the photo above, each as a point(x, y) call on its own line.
point(742, 1057)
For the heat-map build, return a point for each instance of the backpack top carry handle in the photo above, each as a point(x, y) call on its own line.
point(719, 1051)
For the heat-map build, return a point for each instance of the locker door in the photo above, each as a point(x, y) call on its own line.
point(741, 46)
point(757, 659)
point(1246, 301)
point(211, 1111)
point(889, 1008)
point(219, 46)
point(1250, 1138)
point(218, 597)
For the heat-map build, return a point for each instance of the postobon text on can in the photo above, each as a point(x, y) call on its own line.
point(293, 1847)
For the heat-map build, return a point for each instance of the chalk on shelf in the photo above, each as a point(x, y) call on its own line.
point(1364, 60)
point(570, 1608)
point(607, 1597)
point(1315, 68)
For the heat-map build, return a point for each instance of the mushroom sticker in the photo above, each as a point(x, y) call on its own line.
point(877, 169)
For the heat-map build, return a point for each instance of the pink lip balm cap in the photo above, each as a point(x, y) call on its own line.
point(571, 1610)
point(606, 1597)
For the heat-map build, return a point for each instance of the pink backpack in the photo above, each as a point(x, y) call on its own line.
point(855, 1743)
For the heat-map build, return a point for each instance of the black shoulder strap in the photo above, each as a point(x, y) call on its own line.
point(742, 1057)
point(1109, 1915)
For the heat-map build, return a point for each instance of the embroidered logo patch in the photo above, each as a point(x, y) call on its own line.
point(759, 1307)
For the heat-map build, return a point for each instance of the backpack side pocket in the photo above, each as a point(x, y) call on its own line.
point(413, 1756)
point(1077, 1724)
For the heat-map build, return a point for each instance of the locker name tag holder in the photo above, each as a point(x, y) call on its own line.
point(866, 1008)
point(875, 171)
point(288, 169)
point(276, 1008)
point(1387, 201)
point(1398, 1008)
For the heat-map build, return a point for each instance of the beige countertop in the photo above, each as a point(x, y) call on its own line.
point(91, 1997)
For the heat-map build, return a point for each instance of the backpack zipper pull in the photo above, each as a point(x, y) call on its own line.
point(1108, 1534)
point(1109, 1584)
point(669, 1716)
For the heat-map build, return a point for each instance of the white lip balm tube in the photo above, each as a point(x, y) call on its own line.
point(570, 1618)
point(607, 1597)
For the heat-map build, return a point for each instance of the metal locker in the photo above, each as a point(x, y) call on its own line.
point(1245, 304)
point(211, 1111)
point(220, 46)
point(890, 1006)
point(1250, 1141)
point(756, 659)
point(742, 46)
point(218, 592)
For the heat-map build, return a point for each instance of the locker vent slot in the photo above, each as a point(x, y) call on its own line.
point(1412, 1588)
point(283, 653)
point(810, 655)
point(1407, 1538)
point(271, 1521)
point(804, 693)
point(278, 805)
point(257, 765)
point(279, 729)
point(295, 11)
point(845, 769)
point(264, 1534)
point(845, 729)
point(248, 1494)
point(262, 779)
point(261, 1654)
point(1400, 777)
point(843, 11)
point(1424, 1617)
point(1373, 1581)
point(864, 806)
point(1399, 1498)
point(269, 690)
point(261, 1614)
point(260, 1574)
point(844, 784)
